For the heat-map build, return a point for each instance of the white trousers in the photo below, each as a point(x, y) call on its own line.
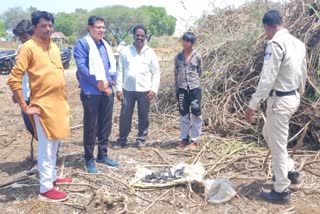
point(196, 126)
point(275, 132)
point(47, 157)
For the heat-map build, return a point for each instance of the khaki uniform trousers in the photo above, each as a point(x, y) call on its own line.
point(275, 132)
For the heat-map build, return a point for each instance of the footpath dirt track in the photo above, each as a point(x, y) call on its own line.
point(108, 191)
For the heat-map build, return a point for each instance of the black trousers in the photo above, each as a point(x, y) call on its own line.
point(127, 107)
point(189, 99)
point(97, 122)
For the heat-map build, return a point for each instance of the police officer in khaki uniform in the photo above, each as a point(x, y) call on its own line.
point(282, 81)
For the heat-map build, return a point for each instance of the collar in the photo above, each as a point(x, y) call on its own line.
point(144, 49)
point(41, 42)
point(280, 33)
point(193, 53)
point(97, 43)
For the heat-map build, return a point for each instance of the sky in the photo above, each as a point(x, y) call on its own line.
point(186, 11)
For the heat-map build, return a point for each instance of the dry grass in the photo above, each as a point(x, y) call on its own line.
point(232, 43)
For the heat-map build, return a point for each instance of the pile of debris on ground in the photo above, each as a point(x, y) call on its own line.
point(232, 42)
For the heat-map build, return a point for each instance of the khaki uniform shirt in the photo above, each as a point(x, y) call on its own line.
point(284, 68)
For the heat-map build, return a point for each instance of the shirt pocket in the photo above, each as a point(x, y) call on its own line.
point(55, 59)
point(194, 64)
point(146, 61)
point(144, 64)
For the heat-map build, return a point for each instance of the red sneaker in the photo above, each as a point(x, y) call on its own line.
point(54, 195)
point(63, 181)
point(182, 144)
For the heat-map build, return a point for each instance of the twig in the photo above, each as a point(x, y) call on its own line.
point(73, 92)
point(287, 210)
point(110, 199)
point(92, 198)
point(200, 153)
point(155, 201)
point(7, 144)
point(311, 162)
point(76, 206)
point(223, 158)
point(300, 142)
point(139, 196)
point(62, 167)
point(14, 181)
point(161, 157)
point(111, 177)
point(264, 164)
point(125, 208)
point(159, 165)
point(31, 149)
point(311, 172)
point(76, 126)
point(236, 160)
point(302, 164)
point(77, 184)
point(296, 135)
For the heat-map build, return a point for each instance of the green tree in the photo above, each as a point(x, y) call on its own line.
point(65, 23)
point(3, 32)
point(73, 25)
point(80, 24)
point(82, 11)
point(120, 20)
point(14, 15)
point(160, 23)
point(31, 9)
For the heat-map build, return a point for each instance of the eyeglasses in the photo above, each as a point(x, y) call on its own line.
point(100, 27)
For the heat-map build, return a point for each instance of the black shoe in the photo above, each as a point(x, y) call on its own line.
point(119, 145)
point(293, 176)
point(276, 197)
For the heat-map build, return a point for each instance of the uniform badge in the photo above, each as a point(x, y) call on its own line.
point(267, 56)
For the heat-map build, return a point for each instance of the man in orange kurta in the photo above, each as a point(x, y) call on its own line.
point(48, 109)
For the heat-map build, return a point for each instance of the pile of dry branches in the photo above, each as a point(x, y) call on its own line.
point(232, 43)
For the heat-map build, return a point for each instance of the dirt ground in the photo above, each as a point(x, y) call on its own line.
point(108, 192)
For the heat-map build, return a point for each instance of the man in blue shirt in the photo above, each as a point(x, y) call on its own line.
point(95, 62)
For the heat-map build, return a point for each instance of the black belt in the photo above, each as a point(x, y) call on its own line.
point(283, 93)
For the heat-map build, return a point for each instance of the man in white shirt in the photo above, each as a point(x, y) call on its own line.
point(282, 81)
point(138, 81)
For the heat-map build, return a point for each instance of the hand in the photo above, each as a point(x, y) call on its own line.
point(249, 115)
point(32, 111)
point(13, 98)
point(102, 85)
point(120, 95)
point(150, 95)
point(108, 91)
point(114, 83)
